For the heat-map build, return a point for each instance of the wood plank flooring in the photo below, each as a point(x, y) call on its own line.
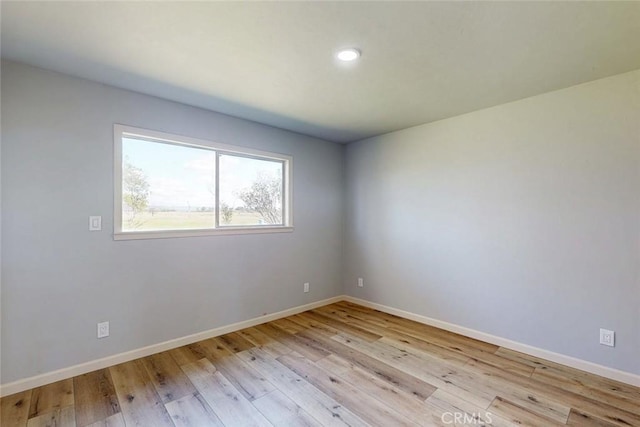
point(338, 365)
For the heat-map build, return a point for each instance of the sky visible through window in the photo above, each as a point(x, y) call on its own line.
point(179, 177)
point(182, 179)
point(239, 173)
point(185, 175)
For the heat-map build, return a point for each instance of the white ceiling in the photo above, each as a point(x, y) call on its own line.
point(272, 62)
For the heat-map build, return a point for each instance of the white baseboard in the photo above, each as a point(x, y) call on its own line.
point(594, 368)
point(83, 368)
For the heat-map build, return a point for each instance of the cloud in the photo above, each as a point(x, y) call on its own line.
point(169, 192)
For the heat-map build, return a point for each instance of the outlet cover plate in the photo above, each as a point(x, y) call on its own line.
point(607, 337)
point(103, 329)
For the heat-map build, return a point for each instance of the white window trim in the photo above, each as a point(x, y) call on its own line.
point(122, 130)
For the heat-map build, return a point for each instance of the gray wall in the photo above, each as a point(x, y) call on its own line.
point(59, 279)
point(521, 221)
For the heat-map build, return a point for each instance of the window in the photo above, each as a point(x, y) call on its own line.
point(174, 186)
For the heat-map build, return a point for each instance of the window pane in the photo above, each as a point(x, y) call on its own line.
point(166, 187)
point(251, 191)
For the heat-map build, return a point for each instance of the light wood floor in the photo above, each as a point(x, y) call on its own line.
point(342, 364)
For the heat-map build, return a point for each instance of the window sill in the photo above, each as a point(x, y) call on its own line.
point(170, 234)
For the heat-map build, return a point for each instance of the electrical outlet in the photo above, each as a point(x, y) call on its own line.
point(103, 330)
point(306, 287)
point(360, 282)
point(607, 337)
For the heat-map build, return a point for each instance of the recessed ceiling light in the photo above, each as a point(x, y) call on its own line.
point(347, 55)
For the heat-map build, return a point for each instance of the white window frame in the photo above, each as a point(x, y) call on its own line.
point(120, 131)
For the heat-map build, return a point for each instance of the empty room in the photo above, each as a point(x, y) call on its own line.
point(318, 213)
